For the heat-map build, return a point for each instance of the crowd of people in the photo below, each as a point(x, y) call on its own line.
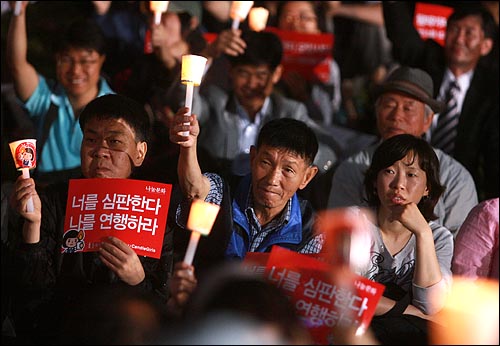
point(404, 129)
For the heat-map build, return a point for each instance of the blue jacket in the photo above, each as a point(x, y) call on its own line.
point(294, 235)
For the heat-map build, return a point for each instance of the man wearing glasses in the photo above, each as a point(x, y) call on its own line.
point(55, 107)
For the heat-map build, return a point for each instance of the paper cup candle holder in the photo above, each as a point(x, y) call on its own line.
point(158, 7)
point(239, 11)
point(201, 219)
point(24, 155)
point(257, 18)
point(192, 68)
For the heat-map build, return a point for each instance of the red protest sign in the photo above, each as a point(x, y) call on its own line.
point(307, 54)
point(430, 21)
point(134, 211)
point(321, 303)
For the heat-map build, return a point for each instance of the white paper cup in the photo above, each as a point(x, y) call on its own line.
point(24, 153)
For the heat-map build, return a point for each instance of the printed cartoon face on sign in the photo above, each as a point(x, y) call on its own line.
point(73, 241)
point(24, 153)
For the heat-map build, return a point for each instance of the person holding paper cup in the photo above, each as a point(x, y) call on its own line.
point(55, 107)
point(115, 142)
point(264, 210)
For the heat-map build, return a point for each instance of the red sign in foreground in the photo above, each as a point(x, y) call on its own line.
point(134, 211)
point(321, 303)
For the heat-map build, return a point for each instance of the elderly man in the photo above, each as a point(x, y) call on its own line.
point(265, 209)
point(404, 104)
point(115, 134)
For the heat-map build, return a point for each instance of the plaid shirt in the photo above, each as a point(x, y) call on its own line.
point(257, 233)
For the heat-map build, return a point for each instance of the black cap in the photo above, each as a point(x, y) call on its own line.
point(413, 82)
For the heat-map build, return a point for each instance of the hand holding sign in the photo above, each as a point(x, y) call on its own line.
point(201, 219)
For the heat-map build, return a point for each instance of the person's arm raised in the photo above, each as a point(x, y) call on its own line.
point(191, 180)
point(23, 73)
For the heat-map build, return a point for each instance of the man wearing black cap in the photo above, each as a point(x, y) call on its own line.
point(404, 104)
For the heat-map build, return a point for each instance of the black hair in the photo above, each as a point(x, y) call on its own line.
point(69, 235)
point(487, 21)
point(396, 148)
point(290, 134)
point(263, 48)
point(82, 33)
point(115, 106)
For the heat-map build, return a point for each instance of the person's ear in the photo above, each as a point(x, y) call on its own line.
point(142, 149)
point(486, 46)
point(311, 172)
point(278, 72)
point(428, 121)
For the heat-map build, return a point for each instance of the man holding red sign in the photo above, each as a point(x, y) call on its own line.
point(115, 133)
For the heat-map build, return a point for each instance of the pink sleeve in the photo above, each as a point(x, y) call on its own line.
point(476, 245)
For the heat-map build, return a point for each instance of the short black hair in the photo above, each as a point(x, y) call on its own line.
point(115, 106)
point(82, 33)
point(396, 148)
point(487, 21)
point(263, 48)
point(290, 134)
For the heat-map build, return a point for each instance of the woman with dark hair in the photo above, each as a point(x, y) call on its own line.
point(410, 253)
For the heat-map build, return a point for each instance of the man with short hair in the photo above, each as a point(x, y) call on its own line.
point(264, 210)
point(115, 134)
point(55, 107)
point(404, 104)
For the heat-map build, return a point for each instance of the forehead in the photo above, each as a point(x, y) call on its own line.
point(106, 126)
point(262, 68)
point(297, 6)
point(411, 159)
point(283, 154)
point(78, 52)
point(397, 96)
point(471, 20)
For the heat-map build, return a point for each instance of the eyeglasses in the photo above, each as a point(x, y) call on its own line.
point(305, 18)
point(66, 61)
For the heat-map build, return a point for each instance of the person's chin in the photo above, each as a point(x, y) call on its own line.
point(102, 174)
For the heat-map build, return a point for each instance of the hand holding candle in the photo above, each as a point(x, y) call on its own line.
point(24, 155)
point(192, 68)
point(201, 219)
point(158, 7)
point(239, 11)
point(257, 18)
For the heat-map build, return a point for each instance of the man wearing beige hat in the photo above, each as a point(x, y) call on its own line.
point(404, 104)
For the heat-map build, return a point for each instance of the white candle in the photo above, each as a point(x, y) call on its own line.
point(239, 11)
point(192, 68)
point(193, 244)
point(202, 216)
point(17, 8)
point(257, 18)
point(29, 207)
point(158, 7)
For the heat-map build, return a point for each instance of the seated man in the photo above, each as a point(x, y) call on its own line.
point(265, 208)
point(231, 120)
point(115, 133)
point(404, 104)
